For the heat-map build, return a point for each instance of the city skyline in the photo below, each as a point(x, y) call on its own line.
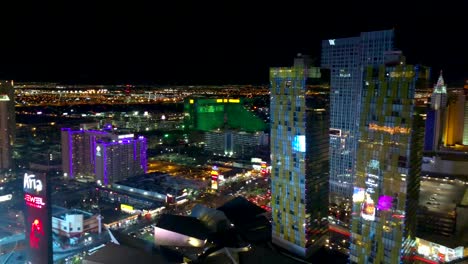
point(235, 43)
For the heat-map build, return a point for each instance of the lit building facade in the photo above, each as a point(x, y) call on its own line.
point(207, 114)
point(346, 57)
point(102, 155)
point(7, 124)
point(299, 156)
point(453, 129)
point(75, 223)
point(235, 143)
point(465, 120)
point(119, 159)
point(435, 120)
point(386, 186)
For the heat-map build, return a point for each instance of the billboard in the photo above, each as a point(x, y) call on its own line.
point(127, 208)
point(368, 208)
point(358, 195)
point(214, 178)
point(37, 213)
point(385, 203)
point(299, 143)
point(5, 198)
point(214, 184)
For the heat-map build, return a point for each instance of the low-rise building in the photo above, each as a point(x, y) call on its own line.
point(74, 222)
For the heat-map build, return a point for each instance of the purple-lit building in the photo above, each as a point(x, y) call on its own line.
point(105, 156)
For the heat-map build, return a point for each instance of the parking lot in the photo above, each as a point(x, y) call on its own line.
point(440, 195)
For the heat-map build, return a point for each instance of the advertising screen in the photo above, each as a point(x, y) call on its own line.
point(299, 143)
point(358, 195)
point(368, 208)
point(38, 219)
point(127, 208)
point(385, 203)
point(214, 185)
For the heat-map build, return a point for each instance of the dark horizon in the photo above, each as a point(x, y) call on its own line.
point(201, 44)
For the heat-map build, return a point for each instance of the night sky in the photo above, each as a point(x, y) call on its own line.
point(213, 42)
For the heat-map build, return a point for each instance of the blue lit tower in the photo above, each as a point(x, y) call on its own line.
point(346, 58)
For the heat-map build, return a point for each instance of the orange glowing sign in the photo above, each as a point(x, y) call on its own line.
point(390, 130)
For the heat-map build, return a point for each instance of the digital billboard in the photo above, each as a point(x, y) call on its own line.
point(38, 218)
point(385, 203)
point(127, 208)
point(214, 178)
point(214, 184)
point(368, 208)
point(358, 195)
point(299, 143)
point(6, 197)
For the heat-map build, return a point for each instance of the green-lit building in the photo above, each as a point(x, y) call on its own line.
point(389, 154)
point(208, 114)
point(300, 123)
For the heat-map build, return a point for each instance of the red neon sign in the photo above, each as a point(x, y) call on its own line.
point(34, 201)
point(36, 230)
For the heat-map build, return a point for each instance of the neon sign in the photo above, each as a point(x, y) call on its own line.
point(34, 201)
point(390, 130)
point(36, 230)
point(30, 182)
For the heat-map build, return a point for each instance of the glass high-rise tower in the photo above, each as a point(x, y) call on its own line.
point(346, 58)
point(389, 154)
point(299, 107)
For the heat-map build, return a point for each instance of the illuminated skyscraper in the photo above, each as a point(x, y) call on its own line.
point(299, 107)
point(102, 155)
point(346, 57)
point(7, 123)
point(389, 153)
point(453, 129)
point(435, 120)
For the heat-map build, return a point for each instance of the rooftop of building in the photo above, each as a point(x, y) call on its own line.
point(113, 253)
point(160, 182)
point(186, 225)
point(61, 213)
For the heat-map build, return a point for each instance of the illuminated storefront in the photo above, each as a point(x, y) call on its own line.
point(435, 252)
point(214, 178)
point(38, 218)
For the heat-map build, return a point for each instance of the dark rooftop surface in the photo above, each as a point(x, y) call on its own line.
point(113, 253)
point(240, 210)
point(60, 212)
point(186, 225)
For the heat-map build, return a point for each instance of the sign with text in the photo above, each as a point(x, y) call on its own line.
point(38, 218)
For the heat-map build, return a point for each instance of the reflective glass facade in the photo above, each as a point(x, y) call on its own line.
point(346, 58)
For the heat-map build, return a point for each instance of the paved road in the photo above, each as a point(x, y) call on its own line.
point(444, 194)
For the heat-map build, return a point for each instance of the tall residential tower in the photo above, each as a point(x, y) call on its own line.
point(389, 154)
point(435, 120)
point(102, 155)
point(346, 58)
point(299, 107)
